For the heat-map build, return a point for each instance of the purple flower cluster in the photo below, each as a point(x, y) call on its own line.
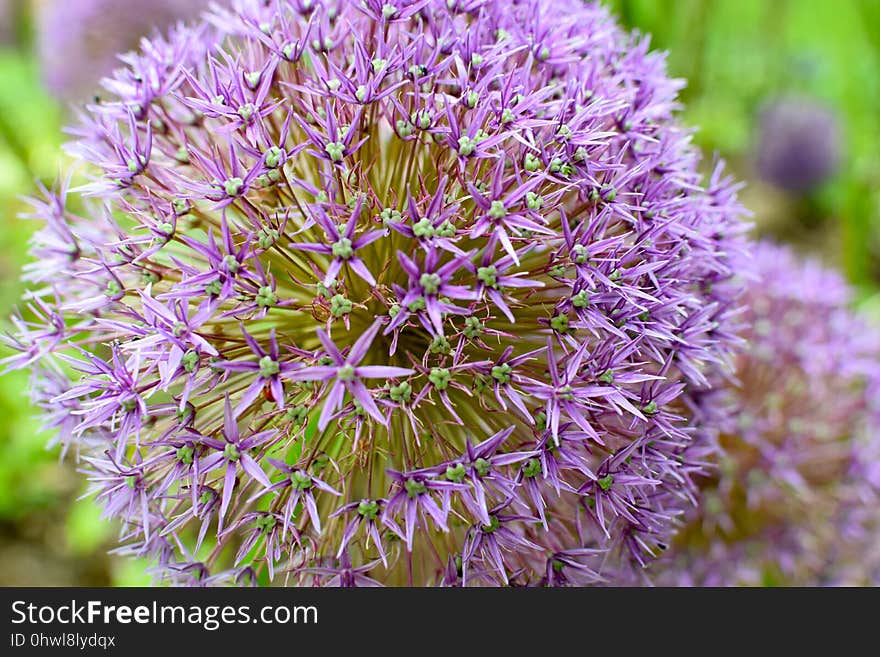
point(795, 499)
point(79, 41)
point(408, 292)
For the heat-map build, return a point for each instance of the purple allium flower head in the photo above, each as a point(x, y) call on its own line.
point(404, 292)
point(79, 41)
point(796, 493)
point(798, 144)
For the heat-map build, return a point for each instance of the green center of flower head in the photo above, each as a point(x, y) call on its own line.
point(422, 119)
point(369, 509)
point(231, 263)
point(466, 146)
point(214, 288)
point(265, 523)
point(493, 525)
point(190, 360)
point(342, 248)
point(335, 150)
point(482, 467)
point(488, 275)
point(440, 377)
point(340, 305)
point(606, 482)
point(579, 254)
point(268, 367)
point(233, 186)
point(430, 283)
point(473, 327)
point(559, 323)
point(401, 393)
point(185, 454)
point(231, 453)
point(532, 468)
point(297, 413)
point(273, 157)
point(346, 373)
point(581, 299)
point(531, 163)
point(267, 237)
point(424, 228)
point(497, 210)
point(501, 373)
point(414, 488)
point(266, 297)
point(300, 480)
point(246, 112)
point(440, 345)
point(417, 304)
point(390, 216)
point(456, 472)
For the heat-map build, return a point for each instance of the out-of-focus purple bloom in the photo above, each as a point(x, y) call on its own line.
point(798, 144)
point(449, 269)
point(79, 41)
point(795, 496)
point(8, 20)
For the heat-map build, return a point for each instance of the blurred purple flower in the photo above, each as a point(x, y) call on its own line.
point(798, 144)
point(795, 498)
point(79, 41)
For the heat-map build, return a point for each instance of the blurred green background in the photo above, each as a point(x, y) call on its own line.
point(737, 56)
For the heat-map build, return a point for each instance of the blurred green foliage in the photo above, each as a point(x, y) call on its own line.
point(735, 54)
point(738, 54)
point(46, 536)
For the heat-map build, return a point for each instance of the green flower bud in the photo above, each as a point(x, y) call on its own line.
point(340, 306)
point(231, 453)
point(559, 323)
point(497, 210)
point(531, 162)
point(268, 367)
point(466, 146)
point(401, 393)
point(430, 283)
point(233, 186)
point(414, 488)
point(335, 150)
point(440, 377)
point(342, 249)
point(456, 472)
point(501, 373)
point(532, 468)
